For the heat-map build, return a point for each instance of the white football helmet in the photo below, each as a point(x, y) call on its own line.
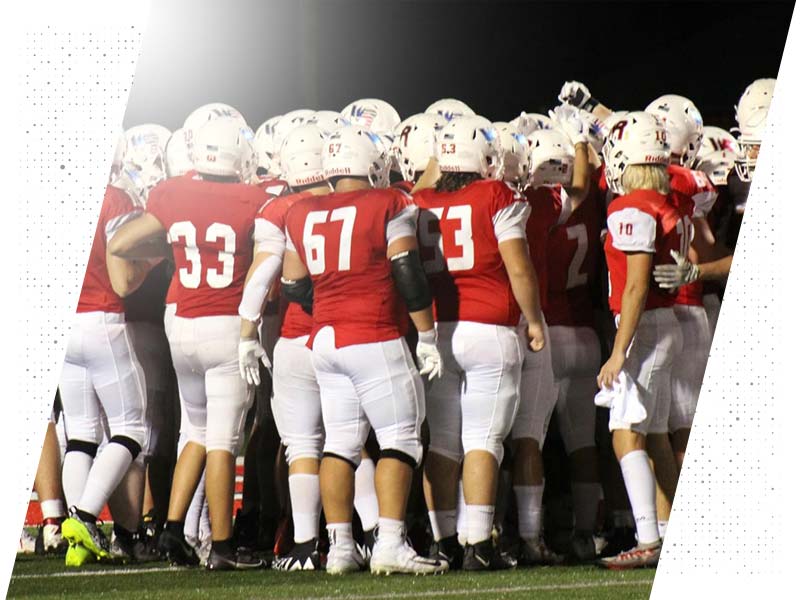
point(638, 138)
point(327, 120)
point(717, 165)
point(415, 143)
point(527, 123)
point(208, 112)
point(301, 156)
point(449, 109)
point(716, 139)
point(375, 115)
point(264, 145)
point(222, 147)
point(552, 158)
point(177, 157)
point(469, 145)
point(119, 156)
point(684, 126)
point(516, 154)
point(354, 151)
point(144, 155)
point(751, 117)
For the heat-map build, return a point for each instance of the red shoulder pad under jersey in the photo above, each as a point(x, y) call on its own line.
point(97, 293)
point(342, 239)
point(210, 226)
point(459, 233)
point(642, 221)
point(270, 223)
point(694, 185)
point(573, 252)
point(404, 186)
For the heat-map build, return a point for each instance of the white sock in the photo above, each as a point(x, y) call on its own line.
point(204, 527)
point(662, 529)
point(391, 531)
point(461, 519)
point(640, 484)
point(340, 534)
point(306, 506)
point(480, 519)
point(365, 499)
point(529, 509)
point(74, 474)
point(108, 469)
point(52, 509)
point(585, 500)
point(443, 523)
point(191, 523)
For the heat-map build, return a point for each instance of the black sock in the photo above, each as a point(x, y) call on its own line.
point(175, 528)
point(122, 533)
point(224, 547)
point(85, 516)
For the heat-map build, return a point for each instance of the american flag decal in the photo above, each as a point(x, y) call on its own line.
point(363, 115)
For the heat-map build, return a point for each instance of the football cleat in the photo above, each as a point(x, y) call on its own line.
point(449, 550)
point(639, 557)
point(583, 547)
point(77, 531)
point(78, 555)
point(176, 550)
point(343, 558)
point(241, 560)
point(303, 557)
point(484, 557)
point(534, 553)
point(365, 548)
point(389, 557)
point(52, 540)
point(621, 539)
point(27, 543)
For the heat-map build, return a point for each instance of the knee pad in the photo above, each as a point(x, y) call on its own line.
point(89, 448)
point(353, 464)
point(342, 452)
point(131, 445)
point(411, 461)
point(303, 446)
point(401, 442)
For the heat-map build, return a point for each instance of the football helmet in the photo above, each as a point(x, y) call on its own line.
point(516, 156)
point(354, 151)
point(119, 155)
point(415, 143)
point(638, 138)
point(372, 114)
point(144, 155)
point(717, 165)
point(751, 118)
point(327, 120)
point(469, 145)
point(208, 112)
point(684, 126)
point(716, 139)
point(177, 159)
point(301, 156)
point(527, 123)
point(552, 158)
point(264, 145)
point(223, 147)
point(449, 108)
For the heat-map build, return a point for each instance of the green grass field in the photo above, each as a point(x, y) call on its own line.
point(48, 578)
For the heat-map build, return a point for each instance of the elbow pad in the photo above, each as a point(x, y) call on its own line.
point(300, 291)
point(410, 280)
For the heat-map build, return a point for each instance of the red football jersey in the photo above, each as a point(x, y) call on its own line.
point(97, 293)
point(210, 226)
point(342, 240)
point(695, 195)
point(573, 252)
point(270, 231)
point(459, 234)
point(642, 221)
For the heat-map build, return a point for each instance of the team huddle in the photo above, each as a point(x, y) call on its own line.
point(409, 303)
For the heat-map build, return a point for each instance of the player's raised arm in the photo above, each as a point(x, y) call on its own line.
point(141, 238)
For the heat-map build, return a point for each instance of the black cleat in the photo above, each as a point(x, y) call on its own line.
point(448, 549)
point(241, 560)
point(620, 540)
point(365, 548)
point(176, 550)
point(483, 557)
point(303, 557)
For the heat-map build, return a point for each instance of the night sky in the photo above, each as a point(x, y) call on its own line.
point(268, 57)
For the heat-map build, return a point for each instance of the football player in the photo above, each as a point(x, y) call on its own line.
point(449, 109)
point(296, 403)
point(208, 221)
point(643, 227)
point(377, 116)
point(472, 236)
point(352, 255)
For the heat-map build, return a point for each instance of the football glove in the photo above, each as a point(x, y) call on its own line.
point(576, 94)
point(570, 121)
point(671, 277)
point(250, 351)
point(428, 357)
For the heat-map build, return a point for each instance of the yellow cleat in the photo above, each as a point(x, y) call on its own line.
point(77, 531)
point(78, 555)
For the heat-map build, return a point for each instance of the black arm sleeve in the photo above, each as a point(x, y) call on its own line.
point(300, 291)
point(410, 280)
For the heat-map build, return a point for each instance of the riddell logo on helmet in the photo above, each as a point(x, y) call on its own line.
point(339, 171)
point(654, 159)
point(312, 179)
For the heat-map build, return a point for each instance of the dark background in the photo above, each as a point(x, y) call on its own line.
point(268, 57)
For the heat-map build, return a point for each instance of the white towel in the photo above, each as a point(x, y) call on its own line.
point(624, 401)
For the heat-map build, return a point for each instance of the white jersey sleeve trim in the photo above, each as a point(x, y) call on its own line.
point(509, 222)
point(403, 224)
point(567, 207)
point(632, 230)
point(289, 243)
point(269, 237)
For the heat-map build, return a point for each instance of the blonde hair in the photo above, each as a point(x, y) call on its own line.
point(646, 177)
